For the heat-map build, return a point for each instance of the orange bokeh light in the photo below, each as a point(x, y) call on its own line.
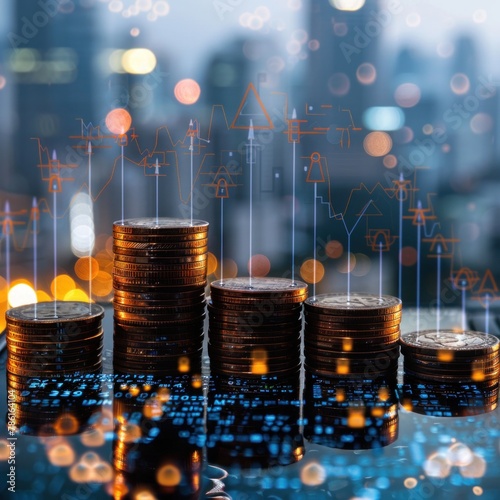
point(261, 265)
point(312, 271)
point(86, 268)
point(211, 263)
point(61, 285)
point(118, 121)
point(187, 91)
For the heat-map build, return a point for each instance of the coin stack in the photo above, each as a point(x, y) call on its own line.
point(354, 334)
point(453, 357)
point(255, 325)
point(159, 279)
point(53, 339)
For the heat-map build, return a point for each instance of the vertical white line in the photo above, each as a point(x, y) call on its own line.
point(222, 240)
point(293, 214)
point(314, 239)
point(54, 214)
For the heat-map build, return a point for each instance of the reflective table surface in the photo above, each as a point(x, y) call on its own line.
point(182, 436)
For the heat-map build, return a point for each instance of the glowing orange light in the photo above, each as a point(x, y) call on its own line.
point(260, 265)
point(102, 473)
point(163, 394)
point(356, 419)
point(410, 483)
point(445, 355)
point(102, 285)
point(340, 395)
point(153, 408)
point(128, 432)
point(61, 455)
point(4, 289)
point(460, 84)
point(196, 381)
point(66, 424)
point(86, 268)
point(61, 285)
point(347, 344)
point(187, 91)
point(80, 473)
point(343, 366)
point(4, 449)
point(183, 365)
point(168, 475)
point(384, 394)
point(118, 121)
point(77, 296)
point(377, 143)
point(211, 263)
point(312, 271)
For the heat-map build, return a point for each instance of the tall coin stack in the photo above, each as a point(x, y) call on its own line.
point(159, 279)
point(453, 357)
point(255, 326)
point(53, 339)
point(354, 334)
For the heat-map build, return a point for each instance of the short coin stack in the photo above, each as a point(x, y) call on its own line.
point(255, 325)
point(452, 357)
point(356, 334)
point(159, 279)
point(53, 339)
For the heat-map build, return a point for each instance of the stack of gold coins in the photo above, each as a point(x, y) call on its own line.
point(53, 339)
point(354, 334)
point(159, 279)
point(350, 413)
point(453, 357)
point(255, 326)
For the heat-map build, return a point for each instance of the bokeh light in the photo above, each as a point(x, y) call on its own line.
point(377, 143)
point(102, 284)
point(413, 20)
point(229, 268)
point(3, 82)
point(366, 73)
point(4, 289)
point(86, 268)
point(363, 265)
point(312, 271)
point(349, 5)
point(481, 123)
point(187, 91)
point(460, 84)
point(4, 449)
point(410, 483)
point(407, 95)
point(21, 294)
point(80, 473)
point(346, 264)
point(61, 285)
point(437, 465)
point(334, 249)
point(61, 455)
point(408, 256)
point(118, 121)
point(313, 474)
point(168, 475)
point(479, 16)
point(138, 61)
point(339, 84)
point(211, 263)
point(475, 469)
point(260, 265)
point(76, 295)
point(459, 454)
point(390, 161)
